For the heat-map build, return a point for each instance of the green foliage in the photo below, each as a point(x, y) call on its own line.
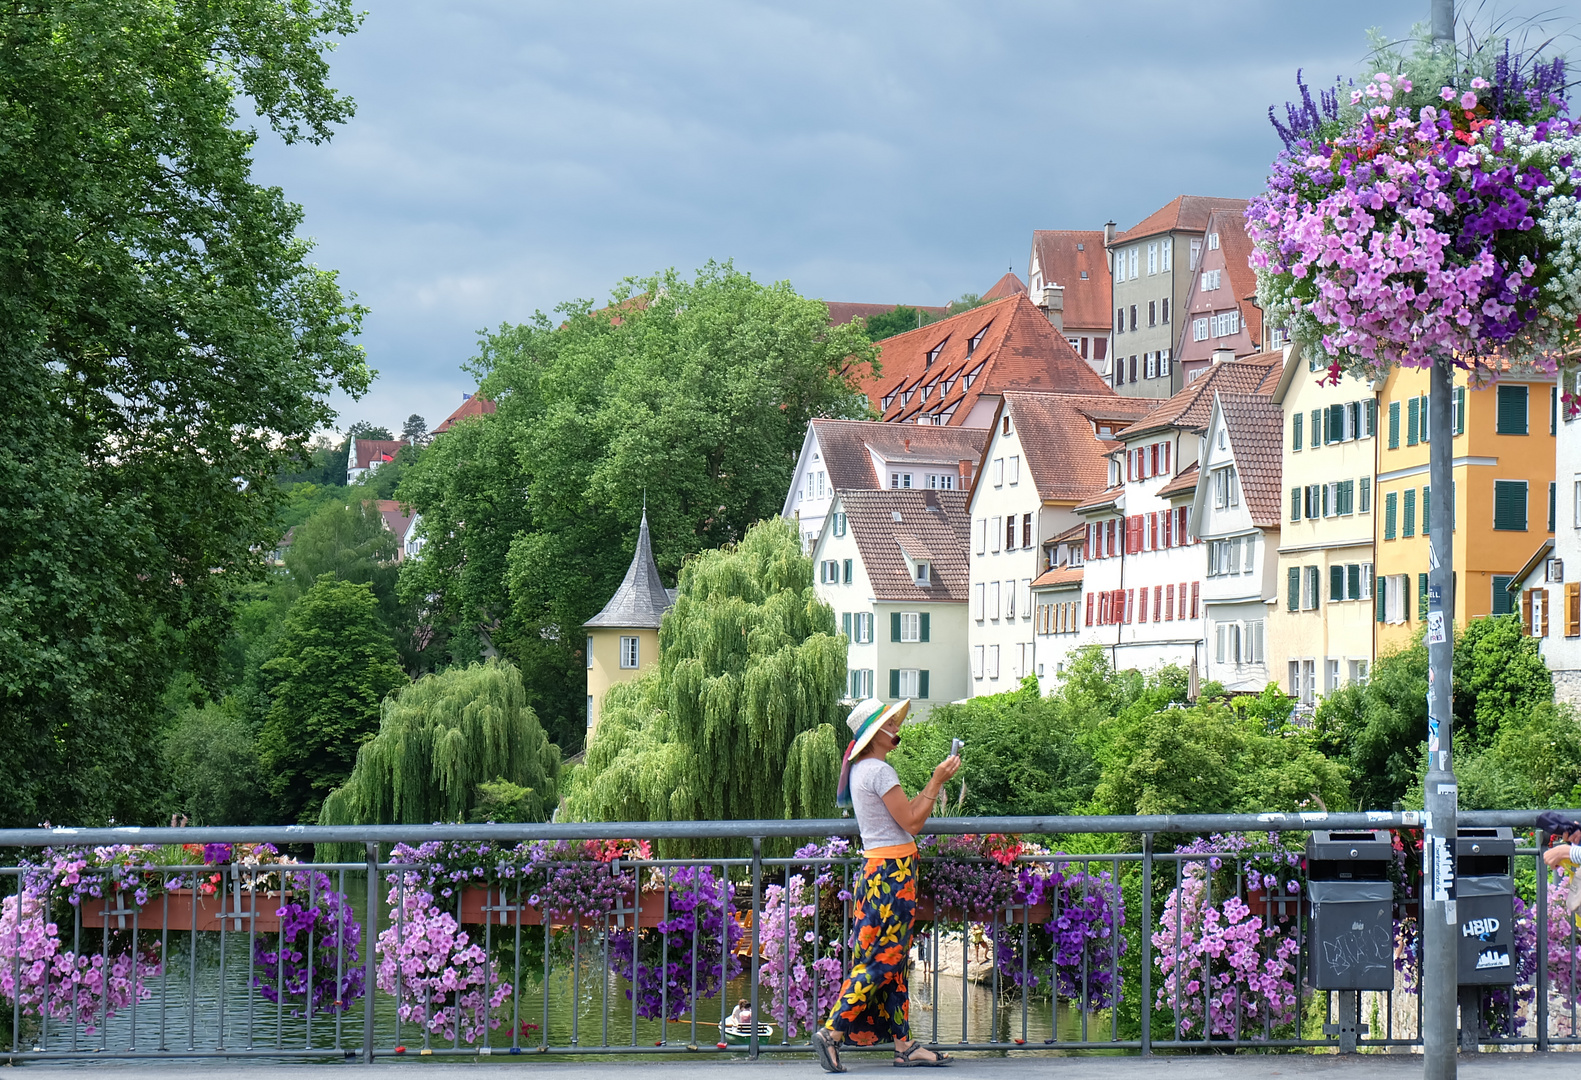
point(332, 667)
point(438, 740)
point(501, 801)
point(749, 661)
point(896, 320)
point(322, 463)
point(211, 767)
point(1378, 728)
point(1499, 675)
point(1533, 759)
point(694, 392)
point(163, 336)
point(1024, 753)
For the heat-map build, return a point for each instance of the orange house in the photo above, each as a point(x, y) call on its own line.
point(1503, 495)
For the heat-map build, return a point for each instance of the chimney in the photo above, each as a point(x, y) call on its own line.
point(1223, 356)
point(1108, 233)
point(908, 445)
point(965, 469)
point(1053, 305)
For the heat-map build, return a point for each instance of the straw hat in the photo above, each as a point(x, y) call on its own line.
point(867, 717)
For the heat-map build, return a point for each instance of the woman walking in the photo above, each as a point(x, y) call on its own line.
point(873, 1005)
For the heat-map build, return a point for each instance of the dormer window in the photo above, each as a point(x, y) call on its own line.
point(977, 339)
point(924, 574)
point(885, 400)
point(944, 388)
point(1105, 431)
point(933, 353)
point(926, 390)
point(971, 376)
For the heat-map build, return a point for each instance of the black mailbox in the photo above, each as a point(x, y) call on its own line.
point(1485, 906)
point(1352, 904)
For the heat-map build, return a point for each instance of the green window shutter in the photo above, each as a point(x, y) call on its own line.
point(1380, 587)
point(1509, 505)
point(894, 629)
point(922, 685)
point(1330, 415)
point(1427, 507)
point(1511, 419)
point(924, 630)
point(1421, 597)
point(1372, 416)
point(1553, 496)
point(1413, 420)
point(1353, 581)
point(1390, 506)
point(1394, 425)
point(1503, 602)
point(1293, 589)
point(894, 682)
point(1553, 410)
point(847, 571)
point(1336, 582)
point(845, 624)
point(1408, 526)
point(1317, 428)
point(1460, 410)
point(1295, 504)
point(1366, 494)
point(1295, 430)
point(1427, 428)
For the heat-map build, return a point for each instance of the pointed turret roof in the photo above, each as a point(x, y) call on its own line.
point(642, 598)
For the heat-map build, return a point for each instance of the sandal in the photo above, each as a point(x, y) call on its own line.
point(827, 1047)
point(906, 1061)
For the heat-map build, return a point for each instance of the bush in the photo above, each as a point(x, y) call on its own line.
point(211, 767)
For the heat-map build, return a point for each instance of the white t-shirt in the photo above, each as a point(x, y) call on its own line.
point(871, 779)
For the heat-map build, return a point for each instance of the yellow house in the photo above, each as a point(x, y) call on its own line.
point(623, 639)
point(1503, 495)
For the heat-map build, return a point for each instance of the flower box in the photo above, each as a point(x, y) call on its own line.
point(1276, 907)
point(238, 910)
point(1036, 914)
point(502, 908)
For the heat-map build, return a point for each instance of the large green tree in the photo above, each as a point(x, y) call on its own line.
point(167, 349)
point(694, 393)
point(332, 667)
point(742, 716)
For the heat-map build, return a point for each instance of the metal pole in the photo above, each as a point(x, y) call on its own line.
point(370, 934)
point(1439, 919)
point(1444, 22)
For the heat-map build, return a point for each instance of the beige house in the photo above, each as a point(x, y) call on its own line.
point(893, 566)
point(623, 639)
point(1321, 625)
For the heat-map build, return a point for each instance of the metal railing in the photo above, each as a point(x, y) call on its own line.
point(216, 963)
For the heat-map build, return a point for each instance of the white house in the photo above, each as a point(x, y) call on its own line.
point(1235, 514)
point(1046, 454)
point(366, 455)
point(893, 566)
point(1552, 580)
point(1057, 604)
point(864, 455)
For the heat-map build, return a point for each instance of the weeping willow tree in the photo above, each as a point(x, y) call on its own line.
point(440, 741)
point(740, 718)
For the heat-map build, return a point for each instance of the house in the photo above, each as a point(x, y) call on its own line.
point(1045, 454)
point(893, 565)
point(471, 405)
point(1235, 517)
point(1561, 643)
point(1057, 604)
point(399, 521)
point(1143, 567)
point(952, 373)
point(366, 455)
point(865, 455)
point(623, 639)
point(1008, 285)
point(1220, 318)
point(1321, 625)
point(1074, 262)
point(1151, 267)
point(278, 554)
point(1504, 496)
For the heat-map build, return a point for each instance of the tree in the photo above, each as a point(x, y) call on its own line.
point(415, 430)
point(1499, 676)
point(896, 320)
point(211, 767)
point(742, 715)
point(442, 741)
point(694, 394)
point(362, 429)
point(350, 543)
point(332, 668)
point(168, 348)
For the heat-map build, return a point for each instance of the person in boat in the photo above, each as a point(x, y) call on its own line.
point(742, 1016)
point(873, 1005)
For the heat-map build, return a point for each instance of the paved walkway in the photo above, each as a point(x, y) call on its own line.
point(1249, 1066)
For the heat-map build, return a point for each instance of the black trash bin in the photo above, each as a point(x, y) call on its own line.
point(1485, 906)
point(1352, 905)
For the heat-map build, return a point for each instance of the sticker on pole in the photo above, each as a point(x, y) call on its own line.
point(1443, 870)
point(1432, 555)
point(1435, 628)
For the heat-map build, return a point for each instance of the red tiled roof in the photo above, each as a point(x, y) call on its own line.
point(933, 525)
point(474, 405)
point(368, 451)
point(1060, 575)
point(1231, 257)
point(1009, 285)
point(1184, 484)
point(1075, 532)
point(1061, 257)
point(395, 518)
point(1237, 248)
point(1188, 213)
point(847, 447)
point(1190, 409)
point(1067, 459)
point(1016, 349)
point(1256, 428)
point(841, 312)
point(1104, 498)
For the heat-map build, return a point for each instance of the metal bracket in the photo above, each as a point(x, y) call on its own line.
point(1350, 1026)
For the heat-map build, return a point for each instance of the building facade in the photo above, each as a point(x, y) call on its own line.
point(1219, 316)
point(1560, 572)
point(623, 639)
point(892, 564)
point(1074, 262)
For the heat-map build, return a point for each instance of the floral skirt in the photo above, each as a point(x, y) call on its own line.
point(873, 1007)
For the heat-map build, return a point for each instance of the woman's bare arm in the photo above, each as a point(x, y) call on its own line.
point(913, 813)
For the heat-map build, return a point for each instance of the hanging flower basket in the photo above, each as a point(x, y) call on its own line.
point(504, 906)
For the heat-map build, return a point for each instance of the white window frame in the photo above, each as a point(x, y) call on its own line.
point(978, 591)
point(910, 682)
point(1152, 258)
point(993, 600)
point(977, 661)
point(1013, 470)
point(992, 663)
point(630, 652)
point(910, 628)
point(1199, 329)
point(999, 472)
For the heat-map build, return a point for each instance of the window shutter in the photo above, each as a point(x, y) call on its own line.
point(1573, 609)
point(1460, 410)
point(845, 624)
point(1511, 418)
point(1293, 589)
point(894, 630)
point(1372, 416)
point(1543, 628)
point(847, 571)
point(1553, 495)
point(1295, 504)
point(1427, 427)
point(1166, 445)
point(1394, 426)
point(1390, 513)
point(1089, 608)
point(1381, 594)
point(1353, 581)
point(1413, 420)
point(1421, 596)
point(926, 618)
point(1509, 505)
point(1295, 430)
point(894, 682)
point(1408, 526)
point(1427, 507)
point(1526, 612)
point(1336, 582)
point(922, 683)
point(1317, 428)
point(1196, 595)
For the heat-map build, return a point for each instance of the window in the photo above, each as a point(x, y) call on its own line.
point(1460, 410)
point(994, 532)
point(899, 480)
point(1152, 313)
point(1009, 592)
point(977, 601)
point(971, 377)
point(1369, 418)
point(1503, 602)
point(1213, 241)
point(1364, 503)
point(1013, 469)
point(630, 652)
point(1295, 430)
point(908, 683)
point(1026, 598)
point(977, 659)
point(993, 662)
point(859, 684)
point(993, 599)
point(1152, 258)
point(1199, 329)
point(1226, 488)
point(1413, 421)
point(1345, 497)
point(1196, 254)
point(839, 524)
point(1295, 504)
point(1026, 530)
point(1133, 327)
point(1390, 514)
point(1134, 271)
point(999, 472)
point(830, 572)
point(1310, 584)
point(589, 653)
point(1119, 320)
point(1511, 410)
point(941, 481)
point(1394, 425)
point(1509, 505)
point(1010, 532)
point(1163, 316)
point(924, 574)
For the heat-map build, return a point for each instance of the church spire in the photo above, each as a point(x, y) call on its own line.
point(642, 599)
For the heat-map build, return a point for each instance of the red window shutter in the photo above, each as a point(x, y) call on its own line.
point(1130, 605)
point(1141, 605)
point(1158, 603)
point(1130, 465)
point(1196, 591)
point(1087, 553)
point(1169, 602)
point(1182, 599)
point(1090, 598)
point(1166, 457)
point(1153, 454)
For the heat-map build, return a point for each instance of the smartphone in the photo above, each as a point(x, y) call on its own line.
point(956, 746)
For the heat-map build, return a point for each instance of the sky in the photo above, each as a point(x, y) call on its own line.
point(509, 156)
